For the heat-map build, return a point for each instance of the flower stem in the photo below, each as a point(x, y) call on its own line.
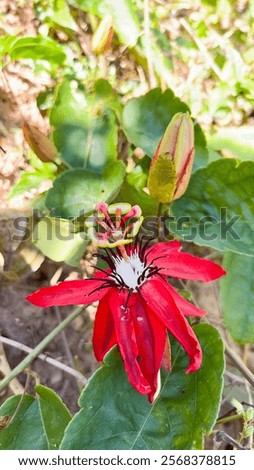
point(39, 348)
point(238, 363)
point(159, 208)
point(147, 40)
point(229, 419)
point(123, 252)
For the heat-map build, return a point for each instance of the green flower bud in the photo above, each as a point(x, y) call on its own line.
point(103, 35)
point(172, 162)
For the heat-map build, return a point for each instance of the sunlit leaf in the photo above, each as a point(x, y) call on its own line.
point(38, 48)
point(126, 22)
point(55, 238)
point(33, 179)
point(62, 16)
point(237, 140)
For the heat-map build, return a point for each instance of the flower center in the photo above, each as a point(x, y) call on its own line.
point(128, 272)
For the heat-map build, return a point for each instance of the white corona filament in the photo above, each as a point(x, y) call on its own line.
point(130, 270)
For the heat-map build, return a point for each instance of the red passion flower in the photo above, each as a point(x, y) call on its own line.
point(137, 306)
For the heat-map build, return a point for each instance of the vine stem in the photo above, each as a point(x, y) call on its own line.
point(147, 37)
point(59, 365)
point(39, 348)
point(229, 419)
point(159, 209)
point(238, 363)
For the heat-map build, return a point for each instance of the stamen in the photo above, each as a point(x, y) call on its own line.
point(123, 252)
point(103, 224)
point(120, 280)
point(99, 269)
point(128, 229)
point(118, 217)
point(103, 208)
point(144, 248)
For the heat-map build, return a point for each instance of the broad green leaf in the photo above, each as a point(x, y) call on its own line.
point(217, 209)
point(85, 127)
point(38, 48)
point(77, 191)
point(69, 106)
point(238, 140)
point(56, 239)
point(106, 97)
point(114, 416)
point(55, 415)
point(32, 179)
point(146, 118)
point(62, 16)
point(132, 189)
point(126, 22)
point(26, 431)
point(132, 194)
point(237, 296)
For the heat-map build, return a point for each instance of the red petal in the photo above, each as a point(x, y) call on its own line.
point(104, 337)
point(186, 307)
point(161, 302)
point(183, 265)
point(70, 292)
point(126, 339)
point(166, 360)
point(162, 249)
point(151, 339)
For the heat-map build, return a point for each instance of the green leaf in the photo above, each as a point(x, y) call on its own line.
point(69, 106)
point(38, 48)
point(114, 416)
point(32, 179)
point(132, 189)
point(217, 209)
point(105, 96)
point(6, 44)
point(237, 296)
point(85, 127)
point(131, 194)
point(77, 191)
point(238, 140)
point(56, 239)
point(26, 431)
point(126, 22)
point(55, 415)
point(62, 15)
point(146, 118)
